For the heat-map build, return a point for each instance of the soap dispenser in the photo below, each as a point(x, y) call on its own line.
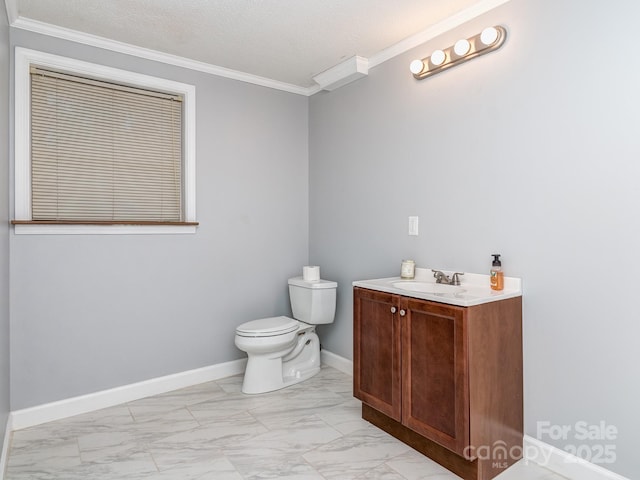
point(497, 275)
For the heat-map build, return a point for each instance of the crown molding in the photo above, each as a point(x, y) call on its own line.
point(148, 54)
point(120, 47)
point(313, 90)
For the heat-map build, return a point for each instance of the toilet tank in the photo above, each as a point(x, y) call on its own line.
point(313, 302)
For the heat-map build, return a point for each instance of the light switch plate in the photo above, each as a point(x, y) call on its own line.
point(413, 226)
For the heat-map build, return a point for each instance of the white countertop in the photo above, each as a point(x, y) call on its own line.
point(474, 288)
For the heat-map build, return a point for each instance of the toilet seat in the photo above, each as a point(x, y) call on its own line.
point(268, 327)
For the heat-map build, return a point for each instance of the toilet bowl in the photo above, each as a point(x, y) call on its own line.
point(283, 351)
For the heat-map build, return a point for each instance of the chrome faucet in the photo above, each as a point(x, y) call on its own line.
point(443, 278)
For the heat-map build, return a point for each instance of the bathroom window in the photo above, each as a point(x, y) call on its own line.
point(101, 150)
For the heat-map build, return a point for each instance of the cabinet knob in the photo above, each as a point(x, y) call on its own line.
point(402, 313)
point(393, 310)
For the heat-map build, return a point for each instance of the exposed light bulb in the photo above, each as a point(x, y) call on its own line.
point(490, 39)
point(416, 67)
point(462, 47)
point(438, 57)
point(489, 35)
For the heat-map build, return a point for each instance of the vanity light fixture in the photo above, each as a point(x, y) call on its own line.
point(490, 39)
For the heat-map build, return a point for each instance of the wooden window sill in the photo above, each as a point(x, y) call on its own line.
point(66, 227)
point(98, 222)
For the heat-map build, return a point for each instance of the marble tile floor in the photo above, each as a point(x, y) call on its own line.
point(309, 431)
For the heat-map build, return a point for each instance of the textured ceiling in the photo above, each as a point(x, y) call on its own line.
point(288, 41)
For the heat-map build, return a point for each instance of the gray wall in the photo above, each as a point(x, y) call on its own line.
point(94, 312)
point(4, 221)
point(531, 151)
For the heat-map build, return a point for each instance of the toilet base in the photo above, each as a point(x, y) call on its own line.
point(269, 373)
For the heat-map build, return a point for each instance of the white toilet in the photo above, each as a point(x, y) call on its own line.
point(282, 351)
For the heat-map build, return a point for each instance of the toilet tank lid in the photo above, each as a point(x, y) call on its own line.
point(300, 282)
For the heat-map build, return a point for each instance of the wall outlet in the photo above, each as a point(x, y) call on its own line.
point(413, 226)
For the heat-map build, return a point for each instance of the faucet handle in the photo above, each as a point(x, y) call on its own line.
point(455, 279)
point(441, 277)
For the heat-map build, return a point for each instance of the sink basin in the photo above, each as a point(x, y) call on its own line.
point(425, 287)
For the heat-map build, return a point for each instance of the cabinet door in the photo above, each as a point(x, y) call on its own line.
point(376, 351)
point(435, 396)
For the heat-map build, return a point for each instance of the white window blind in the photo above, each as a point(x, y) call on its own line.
point(104, 152)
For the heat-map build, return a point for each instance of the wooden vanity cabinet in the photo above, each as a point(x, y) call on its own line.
point(446, 380)
point(435, 394)
point(377, 361)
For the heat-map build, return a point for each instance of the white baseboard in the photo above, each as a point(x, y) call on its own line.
point(536, 451)
point(69, 407)
point(564, 463)
point(336, 361)
point(5, 448)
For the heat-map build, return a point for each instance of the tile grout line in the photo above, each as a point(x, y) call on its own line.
point(257, 450)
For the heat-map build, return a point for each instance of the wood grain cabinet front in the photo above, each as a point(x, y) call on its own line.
point(377, 351)
point(447, 380)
